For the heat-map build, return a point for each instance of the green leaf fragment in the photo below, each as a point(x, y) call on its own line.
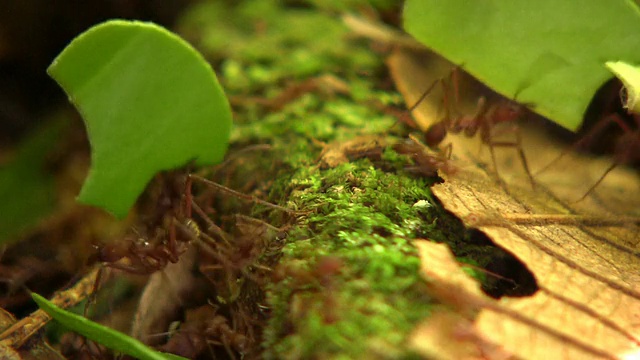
point(547, 53)
point(150, 102)
point(110, 338)
point(630, 77)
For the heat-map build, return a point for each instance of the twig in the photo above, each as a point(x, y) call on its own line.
point(21, 331)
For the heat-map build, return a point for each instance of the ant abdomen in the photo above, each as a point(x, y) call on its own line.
point(435, 134)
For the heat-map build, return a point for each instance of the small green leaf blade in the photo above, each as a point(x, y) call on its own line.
point(150, 102)
point(548, 53)
point(110, 338)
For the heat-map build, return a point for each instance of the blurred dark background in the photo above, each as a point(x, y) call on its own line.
point(34, 32)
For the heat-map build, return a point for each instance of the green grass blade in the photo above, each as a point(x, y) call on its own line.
point(110, 338)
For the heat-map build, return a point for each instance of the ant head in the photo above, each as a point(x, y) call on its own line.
point(435, 134)
point(507, 111)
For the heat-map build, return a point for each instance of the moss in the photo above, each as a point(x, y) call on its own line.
point(361, 213)
point(366, 217)
point(264, 41)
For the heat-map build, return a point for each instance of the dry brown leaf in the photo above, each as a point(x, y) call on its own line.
point(20, 332)
point(584, 255)
point(448, 334)
point(162, 298)
point(21, 340)
point(340, 152)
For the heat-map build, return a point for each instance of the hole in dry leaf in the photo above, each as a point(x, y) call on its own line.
point(605, 102)
point(506, 275)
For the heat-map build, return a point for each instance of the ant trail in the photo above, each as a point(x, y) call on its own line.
point(240, 195)
point(21, 331)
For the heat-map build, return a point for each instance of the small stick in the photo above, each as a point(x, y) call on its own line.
point(21, 331)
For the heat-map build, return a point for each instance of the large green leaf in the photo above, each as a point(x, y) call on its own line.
point(549, 53)
point(110, 338)
point(150, 103)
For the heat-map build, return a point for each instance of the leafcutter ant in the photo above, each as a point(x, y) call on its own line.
point(425, 163)
point(483, 121)
point(159, 241)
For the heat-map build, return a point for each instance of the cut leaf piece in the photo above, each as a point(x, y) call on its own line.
point(110, 338)
point(630, 77)
point(546, 53)
point(150, 103)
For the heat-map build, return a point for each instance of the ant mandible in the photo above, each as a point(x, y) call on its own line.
point(483, 121)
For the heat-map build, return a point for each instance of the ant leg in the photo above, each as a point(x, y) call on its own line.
point(596, 129)
point(172, 244)
point(211, 226)
point(131, 269)
point(97, 284)
point(609, 169)
point(424, 95)
point(407, 114)
point(448, 151)
point(518, 146)
point(188, 197)
point(495, 162)
point(437, 131)
point(240, 195)
point(523, 159)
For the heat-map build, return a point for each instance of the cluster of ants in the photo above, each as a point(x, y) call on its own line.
point(177, 220)
point(171, 227)
point(485, 121)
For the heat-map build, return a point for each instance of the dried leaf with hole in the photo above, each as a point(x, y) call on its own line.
point(449, 333)
point(584, 255)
